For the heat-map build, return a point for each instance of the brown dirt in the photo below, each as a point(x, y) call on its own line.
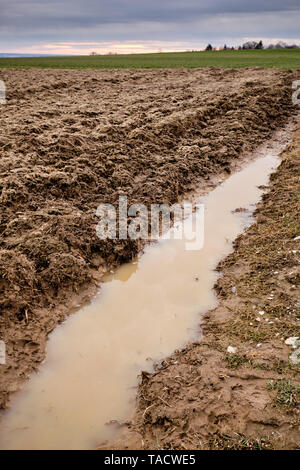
point(203, 397)
point(70, 140)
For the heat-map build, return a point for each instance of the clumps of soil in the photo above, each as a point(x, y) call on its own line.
point(70, 140)
point(204, 397)
point(17, 276)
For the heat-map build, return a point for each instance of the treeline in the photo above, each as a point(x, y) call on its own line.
point(253, 45)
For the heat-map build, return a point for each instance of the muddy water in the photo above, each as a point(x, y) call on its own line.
point(143, 312)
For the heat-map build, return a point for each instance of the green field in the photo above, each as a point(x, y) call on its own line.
point(284, 59)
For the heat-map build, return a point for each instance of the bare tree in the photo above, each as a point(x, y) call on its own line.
point(249, 45)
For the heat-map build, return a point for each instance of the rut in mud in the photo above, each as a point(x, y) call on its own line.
point(96, 355)
point(70, 140)
point(206, 397)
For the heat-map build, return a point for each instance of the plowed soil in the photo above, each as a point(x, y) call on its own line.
point(70, 140)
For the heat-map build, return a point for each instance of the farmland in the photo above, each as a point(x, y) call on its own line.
point(284, 59)
point(73, 139)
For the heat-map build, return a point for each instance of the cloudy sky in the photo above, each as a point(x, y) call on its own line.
point(82, 26)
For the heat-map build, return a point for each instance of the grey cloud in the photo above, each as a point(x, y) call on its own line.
point(32, 13)
point(28, 21)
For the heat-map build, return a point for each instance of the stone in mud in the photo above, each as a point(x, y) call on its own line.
point(232, 350)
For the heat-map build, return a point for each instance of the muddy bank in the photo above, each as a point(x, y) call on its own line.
point(204, 397)
point(70, 140)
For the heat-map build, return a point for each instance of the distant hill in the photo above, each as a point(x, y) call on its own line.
point(12, 55)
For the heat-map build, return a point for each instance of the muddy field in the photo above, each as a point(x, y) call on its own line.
point(204, 397)
point(70, 140)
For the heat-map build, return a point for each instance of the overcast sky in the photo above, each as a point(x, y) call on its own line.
point(82, 26)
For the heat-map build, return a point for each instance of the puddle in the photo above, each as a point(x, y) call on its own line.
point(144, 312)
